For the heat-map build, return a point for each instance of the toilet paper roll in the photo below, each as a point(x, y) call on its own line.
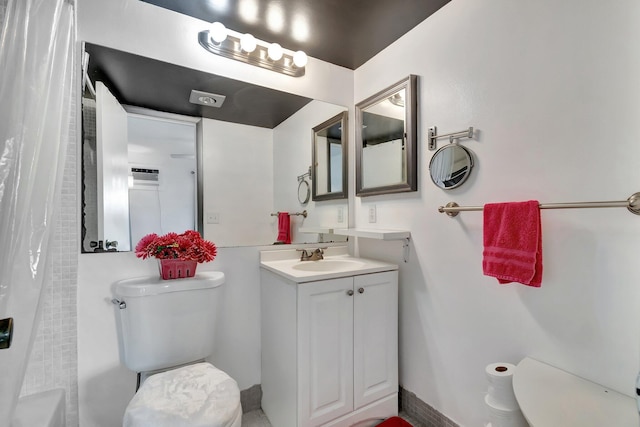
point(500, 391)
point(500, 417)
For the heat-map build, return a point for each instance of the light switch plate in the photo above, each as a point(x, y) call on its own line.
point(213, 218)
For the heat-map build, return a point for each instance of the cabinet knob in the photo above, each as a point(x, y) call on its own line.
point(361, 290)
point(350, 292)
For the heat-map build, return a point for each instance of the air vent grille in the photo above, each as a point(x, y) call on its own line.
point(142, 176)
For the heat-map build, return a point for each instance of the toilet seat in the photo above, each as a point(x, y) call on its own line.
point(199, 395)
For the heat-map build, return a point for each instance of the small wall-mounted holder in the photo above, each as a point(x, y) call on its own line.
point(6, 332)
point(434, 137)
point(305, 175)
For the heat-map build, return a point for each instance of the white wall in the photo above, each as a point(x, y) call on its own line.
point(238, 183)
point(169, 147)
point(105, 385)
point(552, 88)
point(144, 29)
point(292, 142)
point(553, 91)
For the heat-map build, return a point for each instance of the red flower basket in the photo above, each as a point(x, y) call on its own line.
point(179, 254)
point(177, 268)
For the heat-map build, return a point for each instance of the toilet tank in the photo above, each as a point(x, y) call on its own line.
point(166, 323)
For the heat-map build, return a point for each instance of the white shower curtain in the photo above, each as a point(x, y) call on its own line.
point(36, 79)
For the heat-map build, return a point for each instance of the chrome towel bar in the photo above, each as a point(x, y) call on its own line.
point(303, 213)
point(632, 203)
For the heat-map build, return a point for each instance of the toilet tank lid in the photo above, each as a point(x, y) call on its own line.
point(154, 285)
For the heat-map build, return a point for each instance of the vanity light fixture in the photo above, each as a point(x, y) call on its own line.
point(246, 48)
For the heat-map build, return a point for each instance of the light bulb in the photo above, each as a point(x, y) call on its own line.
point(300, 59)
point(248, 43)
point(218, 32)
point(275, 51)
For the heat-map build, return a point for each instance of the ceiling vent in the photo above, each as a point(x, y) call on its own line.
point(207, 99)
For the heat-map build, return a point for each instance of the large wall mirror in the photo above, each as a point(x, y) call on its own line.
point(154, 161)
point(386, 140)
point(329, 160)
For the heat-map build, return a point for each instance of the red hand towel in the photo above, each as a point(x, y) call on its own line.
point(513, 242)
point(284, 227)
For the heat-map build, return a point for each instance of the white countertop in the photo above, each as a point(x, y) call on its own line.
point(336, 263)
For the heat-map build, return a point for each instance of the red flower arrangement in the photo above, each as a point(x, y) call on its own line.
point(188, 246)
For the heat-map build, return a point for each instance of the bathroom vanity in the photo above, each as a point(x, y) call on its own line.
point(329, 339)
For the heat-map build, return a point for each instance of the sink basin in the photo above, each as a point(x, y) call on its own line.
point(336, 263)
point(328, 265)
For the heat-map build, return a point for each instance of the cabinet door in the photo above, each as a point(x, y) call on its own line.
point(375, 337)
point(325, 350)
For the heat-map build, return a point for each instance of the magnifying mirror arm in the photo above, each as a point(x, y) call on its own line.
point(434, 137)
point(304, 175)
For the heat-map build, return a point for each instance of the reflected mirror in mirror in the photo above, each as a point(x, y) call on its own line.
point(243, 161)
point(450, 166)
point(386, 140)
point(329, 159)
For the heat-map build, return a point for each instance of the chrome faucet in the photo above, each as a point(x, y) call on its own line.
point(311, 256)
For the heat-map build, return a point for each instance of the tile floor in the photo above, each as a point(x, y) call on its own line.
point(257, 418)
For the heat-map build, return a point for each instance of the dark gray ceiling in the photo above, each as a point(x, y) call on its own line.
point(343, 32)
point(160, 86)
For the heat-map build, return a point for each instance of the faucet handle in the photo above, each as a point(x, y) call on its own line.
point(305, 255)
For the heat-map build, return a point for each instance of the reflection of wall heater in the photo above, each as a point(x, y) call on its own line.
point(145, 177)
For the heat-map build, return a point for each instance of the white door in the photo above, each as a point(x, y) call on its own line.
point(325, 350)
point(113, 169)
point(375, 337)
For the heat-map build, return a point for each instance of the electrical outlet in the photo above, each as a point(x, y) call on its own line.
point(340, 214)
point(372, 213)
point(213, 218)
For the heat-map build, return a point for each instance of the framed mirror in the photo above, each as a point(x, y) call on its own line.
point(386, 140)
point(174, 164)
point(329, 159)
point(450, 166)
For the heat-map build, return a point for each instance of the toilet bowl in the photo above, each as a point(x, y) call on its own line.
point(169, 326)
point(196, 395)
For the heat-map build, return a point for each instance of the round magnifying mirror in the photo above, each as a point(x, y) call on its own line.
point(450, 166)
point(303, 192)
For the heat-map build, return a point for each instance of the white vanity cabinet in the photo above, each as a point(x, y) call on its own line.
point(329, 349)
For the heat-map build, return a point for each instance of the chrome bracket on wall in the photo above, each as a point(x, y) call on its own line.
point(406, 249)
point(434, 137)
point(6, 332)
point(121, 304)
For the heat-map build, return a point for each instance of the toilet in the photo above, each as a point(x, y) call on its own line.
point(549, 396)
point(167, 329)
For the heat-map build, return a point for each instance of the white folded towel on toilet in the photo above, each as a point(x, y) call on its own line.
point(195, 396)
